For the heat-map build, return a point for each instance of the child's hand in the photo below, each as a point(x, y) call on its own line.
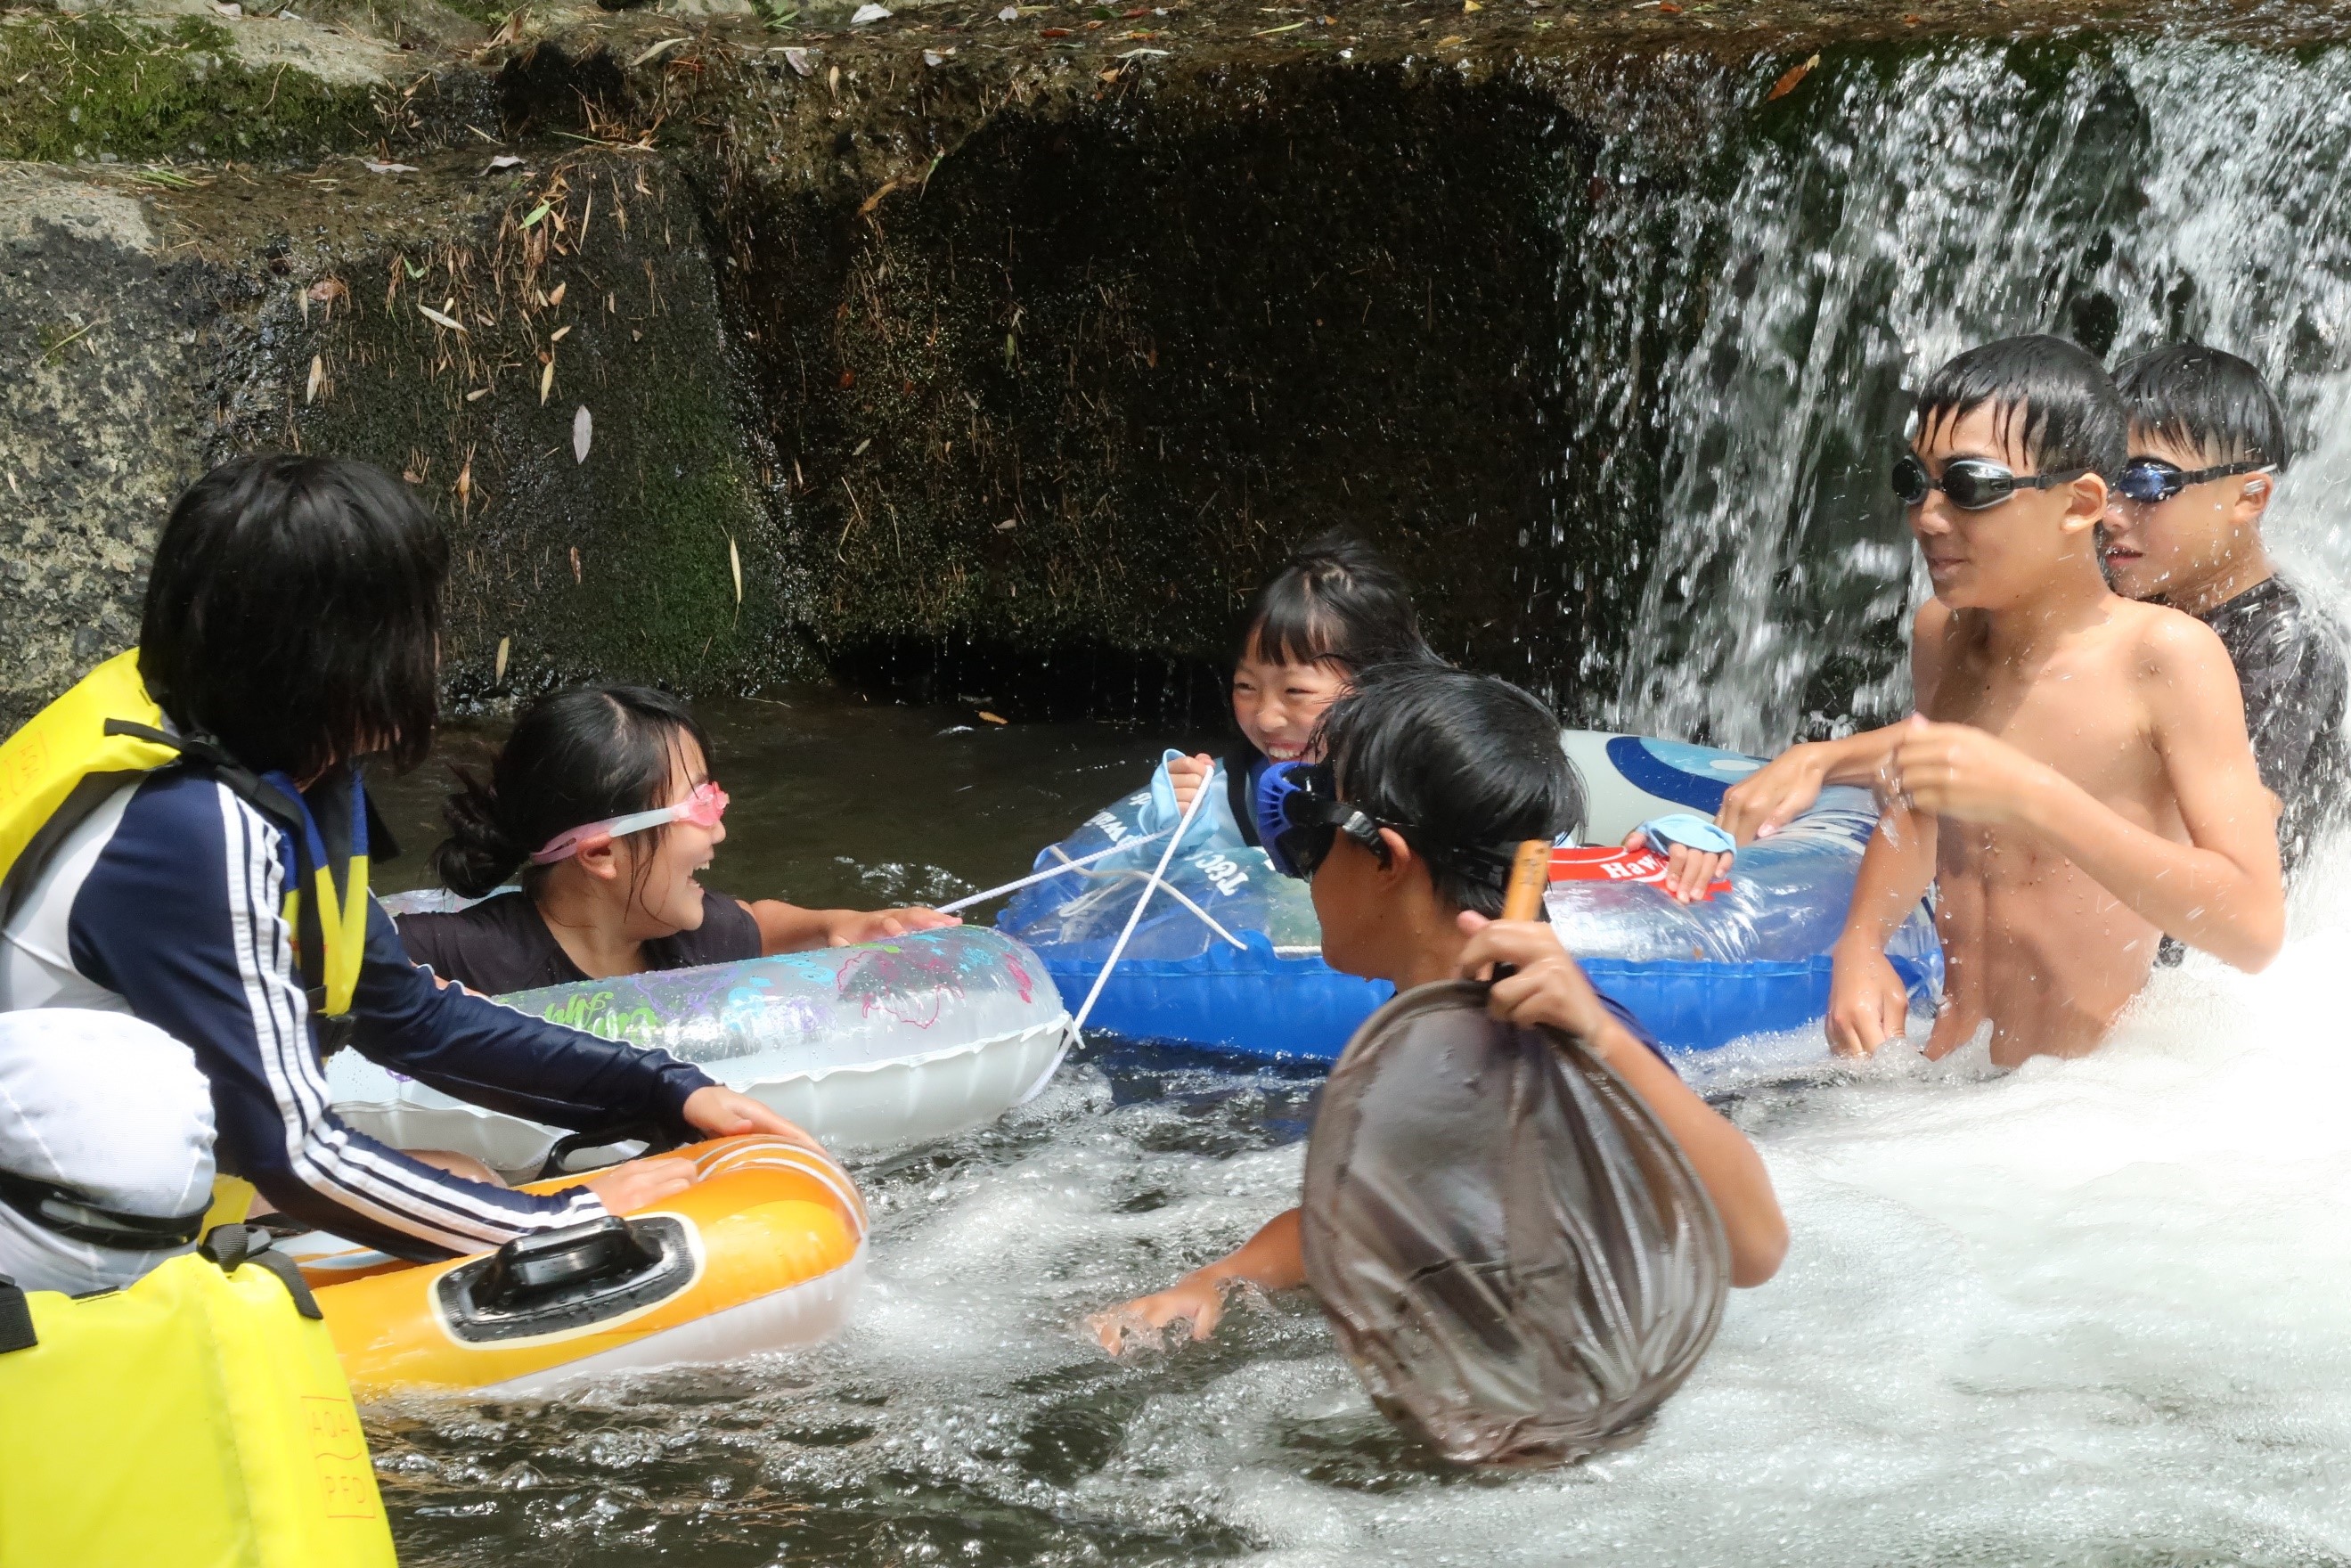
point(1688, 872)
point(1549, 988)
point(1957, 770)
point(725, 1113)
point(640, 1183)
point(852, 926)
point(1774, 795)
point(1187, 774)
point(1868, 1004)
point(1196, 1298)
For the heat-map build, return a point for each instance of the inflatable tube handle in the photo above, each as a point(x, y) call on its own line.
point(651, 1134)
point(16, 1331)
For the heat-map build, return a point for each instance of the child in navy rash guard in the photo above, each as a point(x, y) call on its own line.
point(291, 629)
point(2207, 442)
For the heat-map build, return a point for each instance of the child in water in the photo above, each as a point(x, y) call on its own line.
point(1448, 772)
point(603, 798)
point(1332, 609)
point(2077, 779)
point(2184, 528)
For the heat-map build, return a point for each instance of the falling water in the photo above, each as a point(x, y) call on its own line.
point(1888, 216)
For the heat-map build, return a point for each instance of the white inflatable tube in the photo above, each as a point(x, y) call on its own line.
point(873, 1046)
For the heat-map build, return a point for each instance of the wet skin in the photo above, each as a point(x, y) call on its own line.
point(2070, 743)
point(2197, 551)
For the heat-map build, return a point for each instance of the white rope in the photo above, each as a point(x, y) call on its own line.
point(1033, 878)
point(1136, 918)
point(1177, 894)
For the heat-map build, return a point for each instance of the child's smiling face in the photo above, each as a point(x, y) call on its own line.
point(1277, 705)
point(666, 894)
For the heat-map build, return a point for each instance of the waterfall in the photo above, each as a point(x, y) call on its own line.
point(1833, 248)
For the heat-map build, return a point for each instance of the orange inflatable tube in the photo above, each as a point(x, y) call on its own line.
point(764, 1251)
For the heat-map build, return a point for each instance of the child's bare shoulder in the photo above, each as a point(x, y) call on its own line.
point(2164, 644)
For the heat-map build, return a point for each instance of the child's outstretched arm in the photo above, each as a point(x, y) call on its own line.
point(1273, 1260)
point(789, 928)
point(1772, 797)
point(2220, 891)
point(1549, 988)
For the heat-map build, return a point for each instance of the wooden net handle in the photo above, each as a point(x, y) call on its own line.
point(1530, 874)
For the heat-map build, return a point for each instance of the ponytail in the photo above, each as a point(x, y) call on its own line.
point(478, 855)
point(576, 756)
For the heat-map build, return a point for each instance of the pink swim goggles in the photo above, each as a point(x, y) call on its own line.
point(702, 809)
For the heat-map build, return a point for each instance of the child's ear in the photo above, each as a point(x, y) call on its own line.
point(601, 860)
point(1400, 857)
point(2085, 504)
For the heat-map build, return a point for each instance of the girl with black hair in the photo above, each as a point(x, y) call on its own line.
point(198, 858)
point(603, 799)
point(1335, 608)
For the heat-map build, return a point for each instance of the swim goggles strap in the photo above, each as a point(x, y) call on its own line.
point(1691, 832)
point(703, 807)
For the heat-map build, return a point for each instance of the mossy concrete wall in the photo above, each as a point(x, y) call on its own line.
point(159, 329)
point(957, 340)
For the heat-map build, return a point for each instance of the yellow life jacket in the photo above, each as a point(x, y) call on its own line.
point(107, 732)
point(198, 1416)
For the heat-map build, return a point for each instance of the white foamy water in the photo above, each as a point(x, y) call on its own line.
point(2086, 1312)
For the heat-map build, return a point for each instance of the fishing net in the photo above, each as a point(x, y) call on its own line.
point(1519, 1261)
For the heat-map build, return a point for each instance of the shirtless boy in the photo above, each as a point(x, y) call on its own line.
point(2077, 779)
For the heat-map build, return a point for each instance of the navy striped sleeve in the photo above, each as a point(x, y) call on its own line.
point(492, 1055)
point(182, 917)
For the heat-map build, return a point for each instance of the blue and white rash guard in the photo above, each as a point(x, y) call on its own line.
point(166, 903)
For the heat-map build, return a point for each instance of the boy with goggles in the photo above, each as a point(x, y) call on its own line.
point(2207, 442)
point(2183, 528)
point(2077, 780)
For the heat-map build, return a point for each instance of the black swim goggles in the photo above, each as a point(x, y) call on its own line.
point(1299, 816)
point(1973, 483)
point(2151, 479)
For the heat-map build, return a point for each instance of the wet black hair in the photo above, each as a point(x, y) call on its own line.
point(576, 756)
point(2199, 397)
point(2052, 398)
point(1465, 766)
point(293, 614)
point(1334, 601)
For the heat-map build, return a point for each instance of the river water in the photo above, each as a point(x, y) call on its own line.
point(2087, 1313)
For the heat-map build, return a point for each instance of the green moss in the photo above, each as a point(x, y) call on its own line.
point(618, 568)
point(83, 87)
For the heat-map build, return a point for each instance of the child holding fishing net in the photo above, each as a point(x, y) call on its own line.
point(1434, 778)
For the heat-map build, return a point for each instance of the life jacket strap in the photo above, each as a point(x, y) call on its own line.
point(67, 1213)
point(232, 1245)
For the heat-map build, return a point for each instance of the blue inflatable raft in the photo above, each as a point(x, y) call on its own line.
point(1228, 954)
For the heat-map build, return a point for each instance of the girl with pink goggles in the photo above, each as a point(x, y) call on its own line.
point(703, 807)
